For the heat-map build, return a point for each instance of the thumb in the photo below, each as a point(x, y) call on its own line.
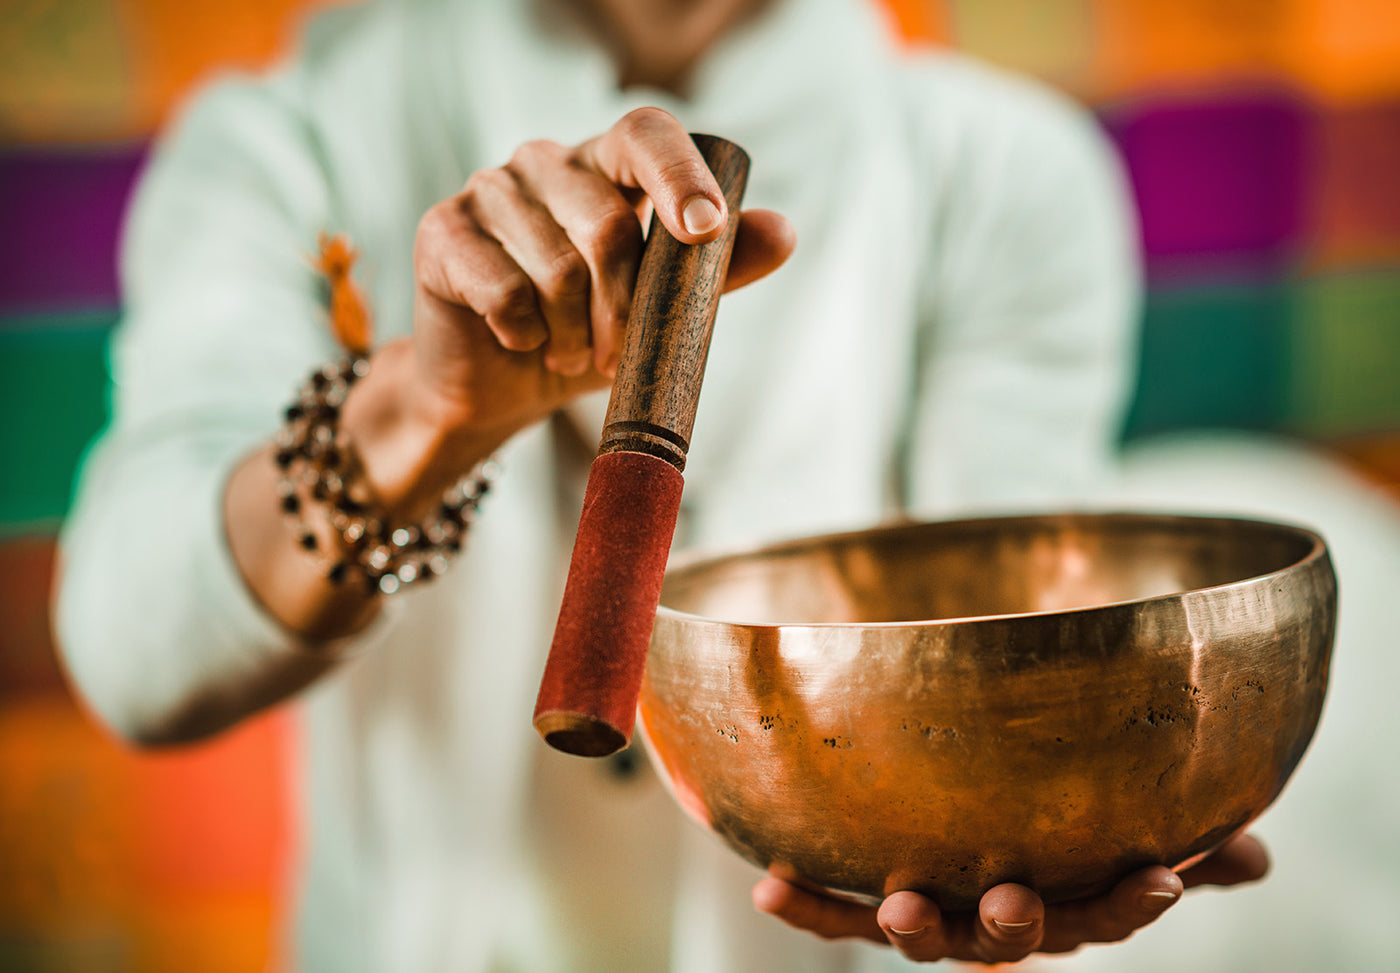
point(650, 151)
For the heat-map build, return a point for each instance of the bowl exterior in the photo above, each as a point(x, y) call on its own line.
point(1057, 750)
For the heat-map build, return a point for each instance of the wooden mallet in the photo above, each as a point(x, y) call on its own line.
point(588, 697)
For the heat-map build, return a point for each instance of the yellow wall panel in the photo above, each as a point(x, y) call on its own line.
point(1052, 39)
point(64, 72)
point(104, 70)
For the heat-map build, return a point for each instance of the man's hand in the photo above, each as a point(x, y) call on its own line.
point(1011, 922)
point(523, 283)
point(525, 277)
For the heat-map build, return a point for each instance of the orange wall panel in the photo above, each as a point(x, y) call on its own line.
point(1347, 50)
point(171, 44)
point(1176, 43)
point(174, 861)
point(1333, 49)
point(919, 20)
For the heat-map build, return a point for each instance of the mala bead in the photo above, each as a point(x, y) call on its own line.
point(317, 465)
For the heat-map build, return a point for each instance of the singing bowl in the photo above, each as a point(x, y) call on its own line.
point(944, 707)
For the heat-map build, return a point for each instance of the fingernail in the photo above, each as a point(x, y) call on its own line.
point(700, 215)
point(1157, 901)
point(908, 933)
point(1013, 928)
point(610, 367)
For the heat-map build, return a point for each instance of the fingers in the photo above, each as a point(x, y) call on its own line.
point(1010, 924)
point(1011, 921)
point(1242, 859)
point(602, 228)
point(1136, 901)
point(914, 925)
point(457, 263)
point(764, 242)
point(818, 914)
point(545, 249)
point(545, 253)
point(650, 151)
point(502, 207)
point(1007, 927)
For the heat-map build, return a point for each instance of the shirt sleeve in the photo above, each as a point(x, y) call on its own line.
point(222, 318)
point(1029, 321)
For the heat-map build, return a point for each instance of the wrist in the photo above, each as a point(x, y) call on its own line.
point(410, 448)
point(324, 485)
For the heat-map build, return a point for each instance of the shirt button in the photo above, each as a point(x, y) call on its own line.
point(625, 765)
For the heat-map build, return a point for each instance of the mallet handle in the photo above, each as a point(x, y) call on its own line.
point(652, 409)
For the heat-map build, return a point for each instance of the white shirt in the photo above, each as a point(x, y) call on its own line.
point(951, 334)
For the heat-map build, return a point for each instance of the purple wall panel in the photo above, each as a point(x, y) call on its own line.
point(60, 217)
point(1219, 181)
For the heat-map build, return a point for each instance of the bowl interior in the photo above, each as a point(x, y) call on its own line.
point(973, 568)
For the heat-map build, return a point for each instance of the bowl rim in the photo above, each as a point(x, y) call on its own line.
point(696, 558)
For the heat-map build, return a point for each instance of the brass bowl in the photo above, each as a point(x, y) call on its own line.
point(944, 707)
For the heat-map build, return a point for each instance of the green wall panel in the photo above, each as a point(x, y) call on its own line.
point(53, 393)
point(1321, 357)
point(1216, 357)
point(1346, 374)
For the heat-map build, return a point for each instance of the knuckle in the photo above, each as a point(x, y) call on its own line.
point(567, 273)
point(516, 333)
point(432, 236)
point(423, 240)
point(682, 172)
point(532, 154)
point(612, 232)
point(640, 122)
point(489, 182)
point(433, 224)
point(510, 297)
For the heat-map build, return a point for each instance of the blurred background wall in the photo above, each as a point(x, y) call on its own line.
point(1263, 142)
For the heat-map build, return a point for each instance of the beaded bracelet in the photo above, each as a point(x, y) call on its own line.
point(314, 454)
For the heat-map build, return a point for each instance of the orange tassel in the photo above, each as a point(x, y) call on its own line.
point(350, 319)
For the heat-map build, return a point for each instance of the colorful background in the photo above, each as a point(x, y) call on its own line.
point(1263, 142)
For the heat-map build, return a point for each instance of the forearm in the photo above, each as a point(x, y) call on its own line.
point(186, 602)
point(156, 628)
point(408, 457)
